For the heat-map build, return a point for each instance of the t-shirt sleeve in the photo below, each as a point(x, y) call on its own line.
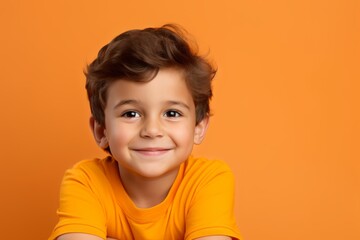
point(80, 209)
point(212, 208)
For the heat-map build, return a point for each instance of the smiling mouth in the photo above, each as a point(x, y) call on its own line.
point(152, 151)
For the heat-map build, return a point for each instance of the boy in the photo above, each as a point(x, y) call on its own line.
point(149, 97)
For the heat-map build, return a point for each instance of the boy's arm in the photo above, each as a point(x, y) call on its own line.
point(84, 236)
point(80, 236)
point(211, 213)
point(214, 238)
point(80, 210)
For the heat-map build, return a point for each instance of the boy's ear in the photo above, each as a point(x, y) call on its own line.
point(200, 130)
point(99, 133)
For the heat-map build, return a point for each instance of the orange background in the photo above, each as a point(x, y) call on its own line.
point(286, 106)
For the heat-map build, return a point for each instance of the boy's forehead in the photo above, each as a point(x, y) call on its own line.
point(167, 83)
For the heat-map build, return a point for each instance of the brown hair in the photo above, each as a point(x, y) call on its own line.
point(137, 55)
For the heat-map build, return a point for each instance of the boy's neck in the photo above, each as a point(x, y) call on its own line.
point(147, 192)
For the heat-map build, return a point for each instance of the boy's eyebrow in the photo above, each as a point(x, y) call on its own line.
point(126, 101)
point(178, 103)
point(136, 102)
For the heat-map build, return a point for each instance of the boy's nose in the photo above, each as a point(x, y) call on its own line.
point(151, 129)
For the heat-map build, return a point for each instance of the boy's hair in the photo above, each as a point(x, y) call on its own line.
point(138, 55)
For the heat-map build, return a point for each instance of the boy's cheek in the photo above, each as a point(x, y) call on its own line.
point(120, 137)
point(183, 136)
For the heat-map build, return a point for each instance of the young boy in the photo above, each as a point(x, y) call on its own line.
point(149, 95)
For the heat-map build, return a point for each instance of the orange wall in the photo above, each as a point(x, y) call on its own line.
point(286, 106)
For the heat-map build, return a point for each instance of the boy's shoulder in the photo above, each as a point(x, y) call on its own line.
point(202, 168)
point(206, 163)
point(94, 163)
point(93, 170)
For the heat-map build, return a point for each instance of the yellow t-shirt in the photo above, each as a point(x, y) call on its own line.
point(199, 203)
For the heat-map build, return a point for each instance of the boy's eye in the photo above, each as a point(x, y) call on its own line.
point(130, 114)
point(172, 114)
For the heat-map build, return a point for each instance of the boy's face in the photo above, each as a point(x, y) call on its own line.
point(150, 127)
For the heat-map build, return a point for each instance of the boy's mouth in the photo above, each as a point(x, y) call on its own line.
point(151, 151)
